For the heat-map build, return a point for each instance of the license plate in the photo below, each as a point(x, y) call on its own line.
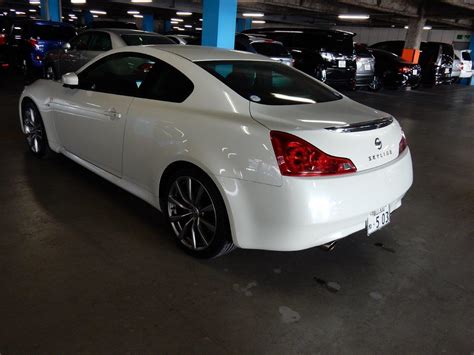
point(378, 219)
point(415, 72)
point(446, 71)
point(367, 67)
point(341, 64)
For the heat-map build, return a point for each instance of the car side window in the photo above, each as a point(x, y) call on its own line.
point(167, 83)
point(100, 41)
point(118, 74)
point(81, 42)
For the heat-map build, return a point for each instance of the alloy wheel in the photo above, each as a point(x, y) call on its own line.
point(33, 130)
point(192, 213)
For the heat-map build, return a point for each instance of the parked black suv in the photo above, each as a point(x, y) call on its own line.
point(436, 60)
point(325, 54)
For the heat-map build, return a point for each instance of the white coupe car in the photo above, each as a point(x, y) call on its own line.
point(235, 149)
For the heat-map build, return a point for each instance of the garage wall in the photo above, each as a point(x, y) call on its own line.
point(371, 35)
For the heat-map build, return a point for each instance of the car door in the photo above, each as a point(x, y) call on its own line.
point(90, 119)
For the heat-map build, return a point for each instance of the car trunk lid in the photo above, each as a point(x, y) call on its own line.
point(342, 128)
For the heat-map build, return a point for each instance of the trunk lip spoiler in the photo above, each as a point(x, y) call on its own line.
point(362, 126)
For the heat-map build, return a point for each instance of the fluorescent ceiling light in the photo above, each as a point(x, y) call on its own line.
point(97, 12)
point(258, 21)
point(32, 10)
point(177, 19)
point(138, 16)
point(198, 29)
point(188, 26)
point(78, 1)
point(200, 19)
point(95, 16)
point(20, 13)
point(427, 27)
point(354, 17)
point(253, 14)
point(174, 22)
point(183, 13)
point(141, 0)
point(133, 12)
point(35, 2)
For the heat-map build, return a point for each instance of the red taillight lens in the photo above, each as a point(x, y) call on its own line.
point(33, 42)
point(403, 144)
point(3, 39)
point(296, 157)
point(404, 70)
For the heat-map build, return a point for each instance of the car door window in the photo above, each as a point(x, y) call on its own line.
point(100, 42)
point(81, 42)
point(167, 83)
point(119, 74)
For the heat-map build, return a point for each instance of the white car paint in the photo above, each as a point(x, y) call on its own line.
point(465, 66)
point(228, 137)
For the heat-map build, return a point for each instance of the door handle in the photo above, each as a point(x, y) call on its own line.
point(113, 114)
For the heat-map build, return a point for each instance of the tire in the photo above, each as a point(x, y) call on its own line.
point(376, 84)
point(35, 132)
point(198, 218)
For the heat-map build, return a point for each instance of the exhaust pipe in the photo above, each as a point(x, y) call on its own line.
point(328, 246)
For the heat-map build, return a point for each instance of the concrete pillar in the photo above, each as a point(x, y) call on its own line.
point(168, 26)
point(243, 24)
point(219, 22)
point(87, 16)
point(148, 23)
point(414, 33)
point(51, 10)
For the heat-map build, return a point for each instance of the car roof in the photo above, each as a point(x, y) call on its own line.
point(202, 53)
point(121, 31)
point(309, 30)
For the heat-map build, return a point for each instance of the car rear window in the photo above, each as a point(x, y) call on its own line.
point(270, 49)
point(52, 32)
point(269, 83)
point(139, 40)
point(466, 56)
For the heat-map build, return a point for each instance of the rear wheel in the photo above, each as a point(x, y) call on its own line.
point(34, 130)
point(376, 84)
point(197, 214)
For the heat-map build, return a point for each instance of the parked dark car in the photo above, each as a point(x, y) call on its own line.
point(324, 54)
point(255, 44)
point(436, 60)
point(393, 72)
point(263, 46)
point(89, 44)
point(365, 74)
point(30, 41)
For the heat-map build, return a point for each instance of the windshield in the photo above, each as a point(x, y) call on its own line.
point(52, 32)
point(466, 56)
point(139, 40)
point(270, 49)
point(269, 83)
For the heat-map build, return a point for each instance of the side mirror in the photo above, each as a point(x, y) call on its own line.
point(67, 46)
point(70, 80)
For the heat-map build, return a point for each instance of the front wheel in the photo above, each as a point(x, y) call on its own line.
point(376, 84)
point(34, 130)
point(197, 214)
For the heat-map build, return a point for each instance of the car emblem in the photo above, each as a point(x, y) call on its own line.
point(378, 143)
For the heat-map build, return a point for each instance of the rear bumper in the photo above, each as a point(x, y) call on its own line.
point(308, 212)
point(364, 79)
point(465, 74)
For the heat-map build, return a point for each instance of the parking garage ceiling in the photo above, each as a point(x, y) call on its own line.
point(317, 13)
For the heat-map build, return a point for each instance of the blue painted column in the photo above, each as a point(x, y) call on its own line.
point(148, 23)
point(88, 17)
point(168, 26)
point(243, 24)
point(51, 10)
point(219, 22)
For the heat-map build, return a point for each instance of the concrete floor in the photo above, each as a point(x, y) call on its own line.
point(86, 267)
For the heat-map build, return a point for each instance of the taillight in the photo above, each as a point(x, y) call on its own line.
point(296, 157)
point(404, 70)
point(33, 42)
point(3, 39)
point(403, 144)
